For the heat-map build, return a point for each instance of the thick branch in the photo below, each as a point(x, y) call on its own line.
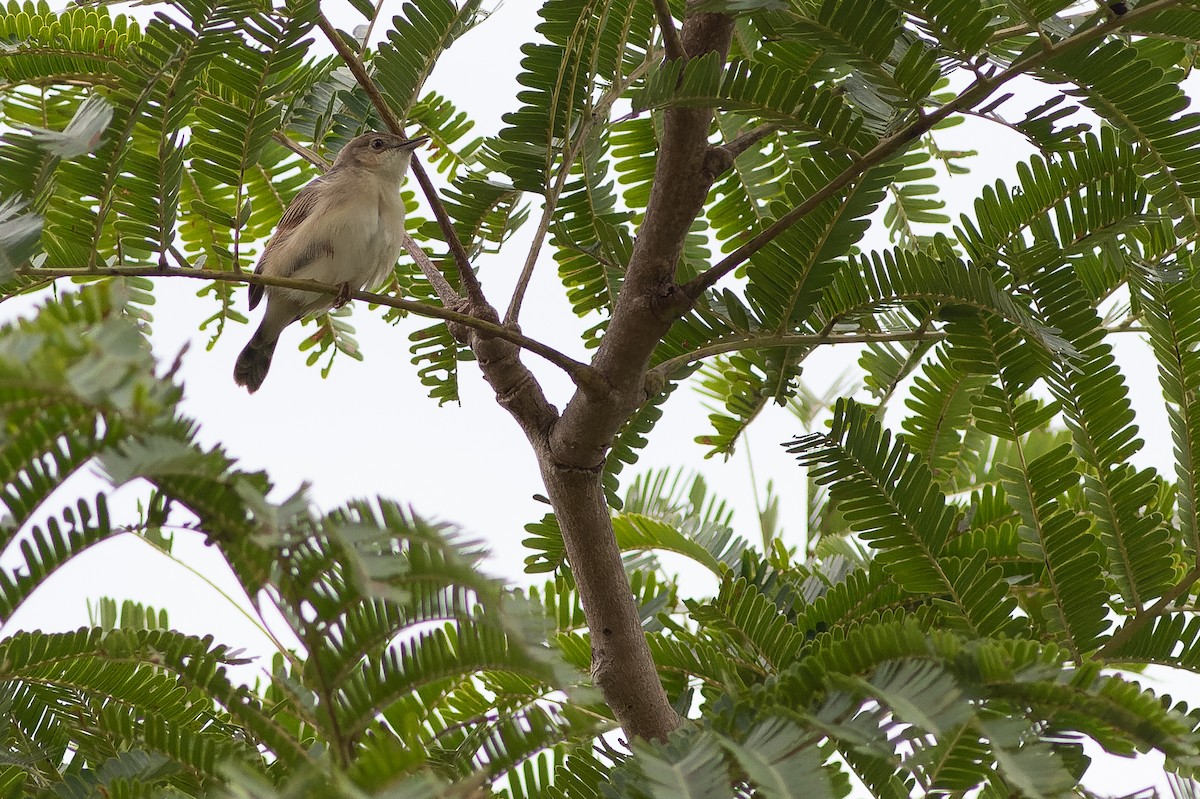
point(573, 458)
point(980, 89)
point(649, 300)
point(466, 275)
point(622, 666)
point(581, 373)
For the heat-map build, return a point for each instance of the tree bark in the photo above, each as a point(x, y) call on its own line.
point(571, 448)
point(572, 465)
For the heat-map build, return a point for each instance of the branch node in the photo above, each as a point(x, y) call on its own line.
point(716, 161)
point(653, 385)
point(672, 301)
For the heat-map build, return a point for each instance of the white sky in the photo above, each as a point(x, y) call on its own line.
point(371, 430)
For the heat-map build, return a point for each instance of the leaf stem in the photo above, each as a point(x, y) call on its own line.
point(1142, 617)
point(260, 623)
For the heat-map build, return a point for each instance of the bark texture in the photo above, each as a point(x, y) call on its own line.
point(571, 448)
point(572, 464)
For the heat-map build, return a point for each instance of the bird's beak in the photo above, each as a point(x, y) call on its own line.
point(412, 144)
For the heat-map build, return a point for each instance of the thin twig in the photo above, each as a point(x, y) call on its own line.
point(748, 139)
point(667, 367)
point(978, 90)
point(581, 373)
point(465, 274)
point(671, 40)
point(551, 201)
point(355, 65)
point(300, 150)
point(371, 26)
point(441, 286)
point(1127, 631)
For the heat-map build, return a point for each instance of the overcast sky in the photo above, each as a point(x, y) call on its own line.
point(369, 429)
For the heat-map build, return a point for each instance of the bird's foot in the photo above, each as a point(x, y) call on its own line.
point(343, 295)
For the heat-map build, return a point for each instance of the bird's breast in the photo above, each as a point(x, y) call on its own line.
point(366, 237)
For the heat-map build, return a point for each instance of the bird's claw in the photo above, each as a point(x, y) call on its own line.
point(343, 295)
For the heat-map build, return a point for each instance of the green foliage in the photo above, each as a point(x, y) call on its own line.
point(387, 609)
point(976, 590)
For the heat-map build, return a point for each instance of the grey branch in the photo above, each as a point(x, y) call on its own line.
point(354, 64)
point(671, 40)
point(980, 89)
point(300, 150)
point(581, 373)
point(748, 139)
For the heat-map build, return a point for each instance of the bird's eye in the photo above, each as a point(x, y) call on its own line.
point(376, 144)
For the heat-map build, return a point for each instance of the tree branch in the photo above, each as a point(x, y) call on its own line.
point(300, 150)
point(671, 40)
point(979, 89)
point(466, 274)
point(1143, 617)
point(665, 369)
point(600, 111)
point(748, 139)
point(441, 286)
point(649, 300)
point(581, 373)
point(572, 457)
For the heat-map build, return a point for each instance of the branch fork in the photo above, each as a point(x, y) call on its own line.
point(571, 448)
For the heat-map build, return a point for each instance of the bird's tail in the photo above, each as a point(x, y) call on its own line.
point(255, 360)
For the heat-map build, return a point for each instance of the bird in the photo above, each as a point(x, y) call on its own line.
point(344, 228)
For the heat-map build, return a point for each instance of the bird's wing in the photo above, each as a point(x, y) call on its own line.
point(301, 208)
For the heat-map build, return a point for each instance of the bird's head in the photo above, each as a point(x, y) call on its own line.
point(381, 153)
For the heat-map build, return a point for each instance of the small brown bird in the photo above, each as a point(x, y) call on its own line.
point(344, 228)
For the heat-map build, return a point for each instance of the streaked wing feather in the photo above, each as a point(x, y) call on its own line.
point(302, 206)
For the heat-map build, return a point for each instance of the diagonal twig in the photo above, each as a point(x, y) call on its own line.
point(748, 139)
point(300, 150)
point(599, 113)
point(979, 89)
point(671, 40)
point(441, 286)
point(1142, 617)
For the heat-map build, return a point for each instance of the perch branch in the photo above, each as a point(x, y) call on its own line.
point(581, 373)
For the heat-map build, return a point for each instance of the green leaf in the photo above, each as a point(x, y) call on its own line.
point(888, 496)
point(776, 759)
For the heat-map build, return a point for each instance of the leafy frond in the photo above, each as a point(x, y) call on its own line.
point(941, 404)
point(1076, 602)
point(415, 40)
point(768, 92)
point(1096, 406)
point(889, 497)
point(1172, 318)
point(596, 40)
point(894, 277)
point(1135, 87)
